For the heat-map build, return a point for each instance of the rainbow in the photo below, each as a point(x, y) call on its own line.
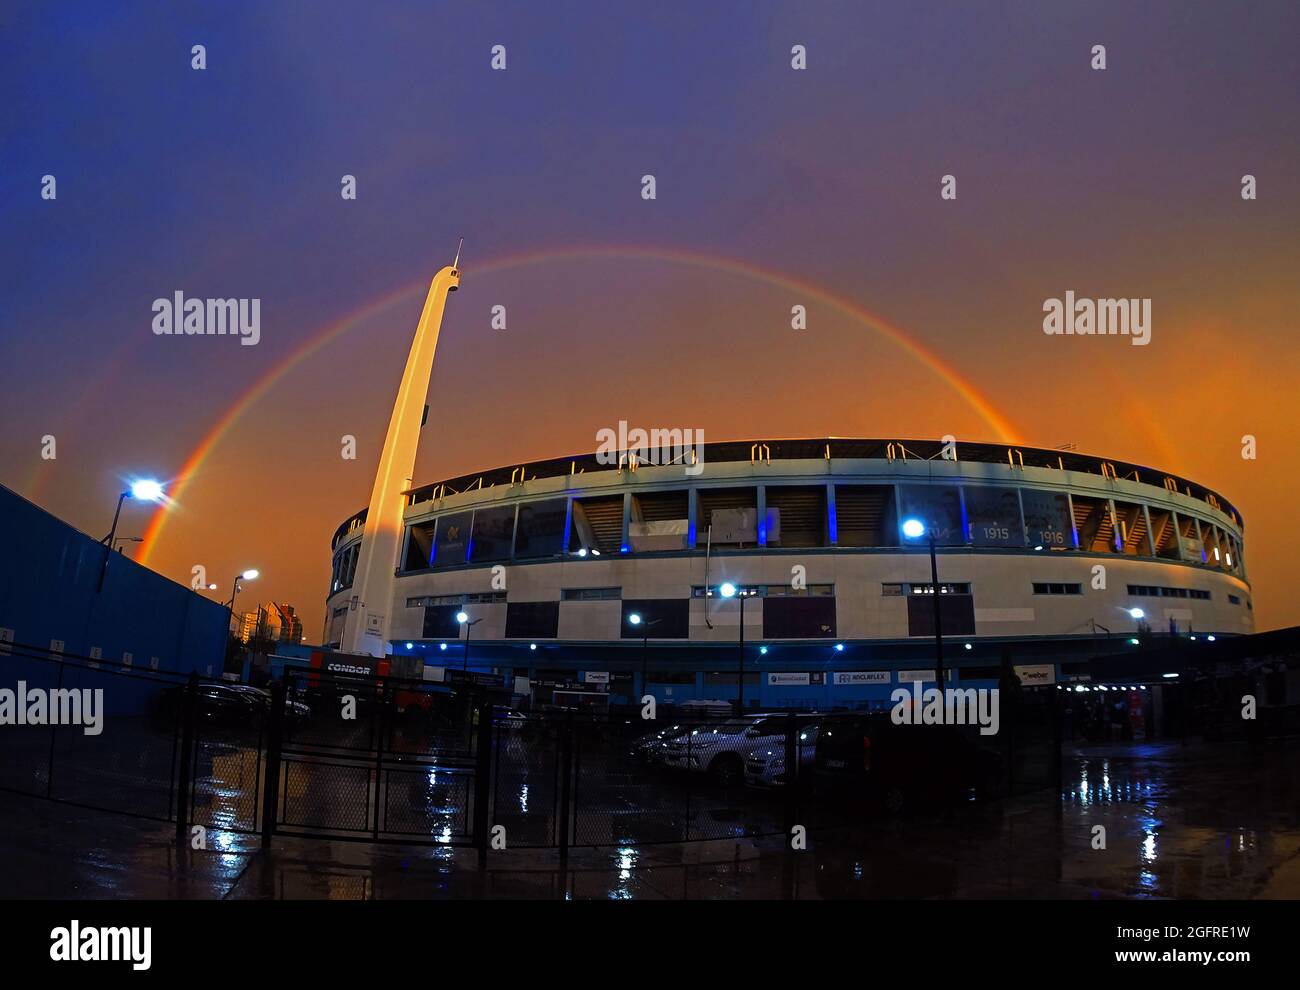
point(192, 467)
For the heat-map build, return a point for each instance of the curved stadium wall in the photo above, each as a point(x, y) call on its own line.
point(1042, 551)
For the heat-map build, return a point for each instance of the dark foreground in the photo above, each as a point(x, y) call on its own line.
point(1181, 821)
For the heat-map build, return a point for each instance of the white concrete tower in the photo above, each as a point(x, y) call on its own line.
point(365, 629)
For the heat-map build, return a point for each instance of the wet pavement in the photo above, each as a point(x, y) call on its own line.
point(1181, 821)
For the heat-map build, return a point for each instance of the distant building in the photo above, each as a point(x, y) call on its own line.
point(272, 620)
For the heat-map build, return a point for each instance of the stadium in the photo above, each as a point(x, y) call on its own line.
point(590, 575)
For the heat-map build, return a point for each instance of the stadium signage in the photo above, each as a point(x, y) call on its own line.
point(861, 677)
point(790, 678)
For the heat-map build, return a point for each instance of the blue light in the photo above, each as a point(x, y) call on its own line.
point(1137, 613)
point(442, 646)
point(532, 646)
point(410, 646)
point(763, 650)
point(913, 528)
point(727, 590)
point(839, 647)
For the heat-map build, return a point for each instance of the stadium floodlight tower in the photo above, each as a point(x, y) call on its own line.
point(365, 629)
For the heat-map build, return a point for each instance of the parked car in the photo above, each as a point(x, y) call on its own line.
point(649, 748)
point(720, 750)
point(765, 766)
point(508, 718)
point(871, 759)
point(292, 706)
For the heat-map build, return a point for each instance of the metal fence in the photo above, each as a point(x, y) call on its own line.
point(355, 757)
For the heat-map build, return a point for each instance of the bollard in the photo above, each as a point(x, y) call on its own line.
point(274, 743)
point(189, 715)
point(483, 781)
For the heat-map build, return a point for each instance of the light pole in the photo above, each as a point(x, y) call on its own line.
point(635, 619)
point(145, 490)
point(913, 528)
point(729, 590)
point(248, 575)
point(117, 543)
point(464, 619)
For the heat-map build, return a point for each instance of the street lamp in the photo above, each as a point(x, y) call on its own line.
point(464, 619)
point(145, 490)
point(248, 575)
point(729, 590)
point(635, 619)
point(913, 529)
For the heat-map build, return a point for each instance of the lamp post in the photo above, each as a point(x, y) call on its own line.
point(117, 543)
point(913, 528)
point(635, 619)
point(729, 590)
point(469, 624)
point(145, 490)
point(248, 575)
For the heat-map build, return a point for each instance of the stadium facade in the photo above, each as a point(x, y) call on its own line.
point(1044, 557)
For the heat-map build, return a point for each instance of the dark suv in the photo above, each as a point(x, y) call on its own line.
point(871, 759)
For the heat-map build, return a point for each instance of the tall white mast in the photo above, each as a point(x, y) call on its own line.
point(366, 625)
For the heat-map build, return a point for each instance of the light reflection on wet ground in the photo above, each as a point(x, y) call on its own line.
point(1190, 821)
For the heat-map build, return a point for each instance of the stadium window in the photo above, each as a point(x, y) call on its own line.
point(808, 591)
point(419, 547)
point(660, 521)
point(892, 590)
point(451, 542)
point(865, 516)
point(1095, 524)
point(1234, 599)
point(748, 590)
point(1057, 588)
point(939, 507)
point(993, 517)
point(1156, 591)
point(597, 524)
point(731, 514)
point(1131, 535)
point(1047, 520)
point(540, 531)
point(475, 598)
point(591, 594)
point(493, 533)
point(795, 516)
point(944, 589)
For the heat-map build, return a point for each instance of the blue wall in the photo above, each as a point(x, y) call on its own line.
point(48, 575)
